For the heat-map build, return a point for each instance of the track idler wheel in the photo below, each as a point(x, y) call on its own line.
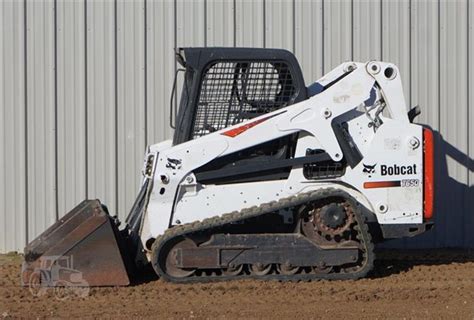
point(171, 260)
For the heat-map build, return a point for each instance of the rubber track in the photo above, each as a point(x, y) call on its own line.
point(297, 200)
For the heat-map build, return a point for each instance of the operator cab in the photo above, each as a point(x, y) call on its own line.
point(226, 86)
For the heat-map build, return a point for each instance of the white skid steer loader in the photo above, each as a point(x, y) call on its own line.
point(265, 178)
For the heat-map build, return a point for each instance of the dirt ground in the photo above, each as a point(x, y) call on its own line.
point(415, 284)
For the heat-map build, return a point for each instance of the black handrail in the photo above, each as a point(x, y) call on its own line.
point(173, 90)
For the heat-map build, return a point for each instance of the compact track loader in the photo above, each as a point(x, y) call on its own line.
point(264, 178)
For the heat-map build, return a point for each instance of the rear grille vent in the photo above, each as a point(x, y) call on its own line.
point(323, 170)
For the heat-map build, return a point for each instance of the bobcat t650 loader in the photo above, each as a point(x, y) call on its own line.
point(265, 178)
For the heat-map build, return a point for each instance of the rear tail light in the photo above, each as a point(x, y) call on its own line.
point(428, 173)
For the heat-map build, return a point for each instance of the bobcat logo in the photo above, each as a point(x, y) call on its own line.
point(174, 164)
point(368, 169)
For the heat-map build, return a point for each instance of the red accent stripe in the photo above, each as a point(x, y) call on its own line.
point(381, 184)
point(428, 174)
point(236, 131)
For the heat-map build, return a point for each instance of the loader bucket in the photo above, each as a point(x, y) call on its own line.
point(85, 243)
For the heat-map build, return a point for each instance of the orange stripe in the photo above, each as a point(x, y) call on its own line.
point(428, 174)
point(241, 129)
point(381, 184)
point(236, 131)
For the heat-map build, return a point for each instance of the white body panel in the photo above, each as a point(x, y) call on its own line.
point(208, 200)
point(177, 198)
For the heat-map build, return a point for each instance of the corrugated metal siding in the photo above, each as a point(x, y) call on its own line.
point(250, 23)
point(309, 38)
point(12, 126)
point(453, 115)
point(367, 30)
point(85, 86)
point(41, 105)
point(131, 122)
point(71, 105)
point(101, 102)
point(425, 74)
point(337, 28)
point(279, 24)
point(160, 67)
point(220, 22)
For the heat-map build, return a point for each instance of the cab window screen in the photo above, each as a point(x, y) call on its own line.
point(233, 92)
